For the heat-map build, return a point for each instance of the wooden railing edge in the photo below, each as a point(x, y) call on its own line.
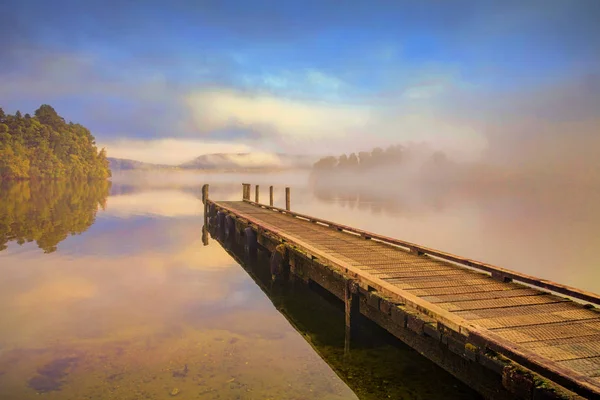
point(497, 272)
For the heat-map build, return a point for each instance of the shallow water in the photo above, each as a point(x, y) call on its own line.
point(109, 292)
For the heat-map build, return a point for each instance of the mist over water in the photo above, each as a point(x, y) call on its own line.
point(549, 230)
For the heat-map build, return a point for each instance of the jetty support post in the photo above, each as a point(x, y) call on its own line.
point(205, 202)
point(256, 198)
point(204, 193)
point(206, 212)
point(271, 196)
point(287, 199)
point(246, 191)
point(352, 312)
point(251, 242)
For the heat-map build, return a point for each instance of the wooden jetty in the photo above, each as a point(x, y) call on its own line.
point(506, 334)
point(390, 373)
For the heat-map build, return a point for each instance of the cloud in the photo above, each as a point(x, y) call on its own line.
point(292, 120)
point(276, 76)
point(302, 84)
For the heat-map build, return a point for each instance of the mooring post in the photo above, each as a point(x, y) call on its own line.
point(271, 196)
point(352, 312)
point(287, 198)
point(204, 193)
point(256, 195)
point(205, 203)
point(205, 234)
point(245, 191)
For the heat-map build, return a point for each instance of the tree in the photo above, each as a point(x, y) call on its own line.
point(377, 155)
point(325, 164)
point(45, 147)
point(394, 154)
point(353, 161)
point(364, 158)
point(343, 162)
point(48, 116)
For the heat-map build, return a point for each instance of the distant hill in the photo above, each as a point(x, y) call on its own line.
point(247, 161)
point(122, 164)
point(223, 162)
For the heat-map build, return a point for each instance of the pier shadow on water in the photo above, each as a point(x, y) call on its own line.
point(377, 366)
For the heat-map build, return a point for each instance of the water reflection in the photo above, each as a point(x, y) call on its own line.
point(48, 212)
point(378, 366)
point(137, 307)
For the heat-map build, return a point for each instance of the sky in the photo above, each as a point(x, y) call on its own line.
point(169, 81)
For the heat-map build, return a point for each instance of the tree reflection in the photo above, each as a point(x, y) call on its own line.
point(47, 212)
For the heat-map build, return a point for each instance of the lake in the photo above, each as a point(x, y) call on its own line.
point(108, 291)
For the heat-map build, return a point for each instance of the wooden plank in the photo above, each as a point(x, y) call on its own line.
point(588, 366)
point(410, 268)
point(506, 304)
point(524, 310)
point(391, 274)
point(490, 287)
point(458, 279)
point(595, 338)
point(557, 330)
point(527, 320)
point(570, 351)
point(437, 283)
point(384, 264)
point(498, 294)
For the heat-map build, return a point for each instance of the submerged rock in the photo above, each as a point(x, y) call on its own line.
point(51, 376)
point(43, 384)
point(182, 373)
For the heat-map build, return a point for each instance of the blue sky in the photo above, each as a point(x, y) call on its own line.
point(166, 81)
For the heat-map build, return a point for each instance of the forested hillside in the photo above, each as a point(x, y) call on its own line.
point(44, 146)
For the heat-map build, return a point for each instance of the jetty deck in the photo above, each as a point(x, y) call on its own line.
point(532, 332)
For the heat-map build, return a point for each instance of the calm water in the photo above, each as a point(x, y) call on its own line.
point(109, 293)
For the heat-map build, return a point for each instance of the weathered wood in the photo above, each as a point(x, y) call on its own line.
point(204, 193)
point(271, 196)
point(206, 213)
point(352, 311)
point(501, 274)
point(251, 244)
point(287, 199)
point(257, 193)
point(491, 313)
